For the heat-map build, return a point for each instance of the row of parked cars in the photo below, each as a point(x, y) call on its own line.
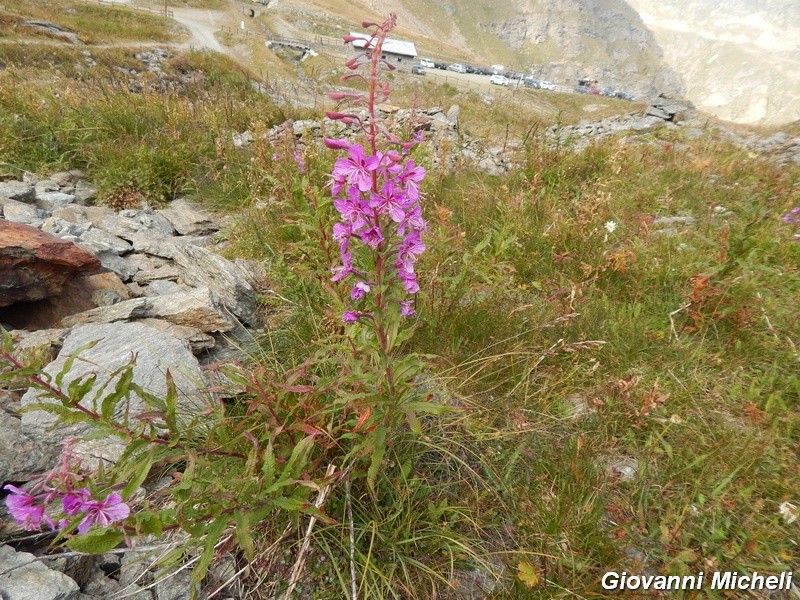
point(498, 75)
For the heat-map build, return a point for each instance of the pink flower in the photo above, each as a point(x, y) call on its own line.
point(356, 169)
point(406, 309)
point(21, 506)
point(349, 316)
point(103, 512)
point(359, 290)
point(372, 237)
point(74, 501)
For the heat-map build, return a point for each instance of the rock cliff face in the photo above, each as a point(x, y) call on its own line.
point(739, 59)
point(567, 39)
point(559, 40)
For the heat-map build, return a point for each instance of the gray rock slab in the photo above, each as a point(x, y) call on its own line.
point(128, 222)
point(229, 282)
point(17, 190)
point(50, 201)
point(155, 352)
point(96, 240)
point(84, 192)
point(110, 260)
point(161, 287)
point(198, 308)
point(669, 221)
point(62, 228)
point(46, 185)
point(188, 219)
point(21, 212)
point(164, 272)
point(194, 339)
point(24, 578)
point(166, 246)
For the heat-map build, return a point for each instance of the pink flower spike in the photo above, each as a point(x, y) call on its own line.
point(104, 512)
point(348, 39)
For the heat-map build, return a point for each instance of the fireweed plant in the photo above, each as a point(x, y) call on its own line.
point(344, 439)
point(376, 193)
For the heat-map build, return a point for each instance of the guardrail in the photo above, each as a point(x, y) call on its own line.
point(275, 40)
point(112, 4)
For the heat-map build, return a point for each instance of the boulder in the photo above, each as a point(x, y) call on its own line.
point(187, 219)
point(50, 201)
point(17, 190)
point(198, 308)
point(35, 265)
point(20, 212)
point(203, 268)
point(96, 241)
point(156, 244)
point(155, 352)
point(194, 339)
point(22, 577)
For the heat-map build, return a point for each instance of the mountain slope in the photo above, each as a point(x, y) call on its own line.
point(559, 40)
point(740, 59)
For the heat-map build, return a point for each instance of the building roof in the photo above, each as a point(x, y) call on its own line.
point(389, 45)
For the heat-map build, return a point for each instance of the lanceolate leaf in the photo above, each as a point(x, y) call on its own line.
point(96, 541)
point(376, 459)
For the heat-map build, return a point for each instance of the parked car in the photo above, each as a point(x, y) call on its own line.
point(440, 65)
point(546, 85)
point(418, 69)
point(499, 80)
point(427, 63)
point(497, 69)
point(457, 68)
point(625, 95)
point(531, 82)
point(582, 89)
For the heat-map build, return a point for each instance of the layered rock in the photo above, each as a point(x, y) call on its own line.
point(35, 264)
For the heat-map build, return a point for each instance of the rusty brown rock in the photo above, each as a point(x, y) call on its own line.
point(35, 265)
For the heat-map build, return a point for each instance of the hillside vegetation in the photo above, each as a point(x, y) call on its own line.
point(622, 385)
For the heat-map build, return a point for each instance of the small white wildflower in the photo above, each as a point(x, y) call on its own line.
point(789, 512)
point(611, 226)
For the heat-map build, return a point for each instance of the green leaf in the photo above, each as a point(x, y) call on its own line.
point(71, 360)
point(78, 388)
point(121, 389)
point(171, 401)
point(66, 415)
point(268, 466)
point(96, 541)
point(379, 449)
point(141, 472)
point(213, 533)
point(243, 535)
point(298, 459)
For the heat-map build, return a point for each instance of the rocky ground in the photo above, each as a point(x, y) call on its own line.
point(153, 283)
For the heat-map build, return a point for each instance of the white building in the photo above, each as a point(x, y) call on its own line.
point(397, 52)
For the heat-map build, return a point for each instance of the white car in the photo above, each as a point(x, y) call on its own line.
point(499, 80)
point(457, 68)
point(546, 85)
point(427, 63)
point(497, 69)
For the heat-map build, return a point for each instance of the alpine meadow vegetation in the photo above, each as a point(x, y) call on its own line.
point(503, 386)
